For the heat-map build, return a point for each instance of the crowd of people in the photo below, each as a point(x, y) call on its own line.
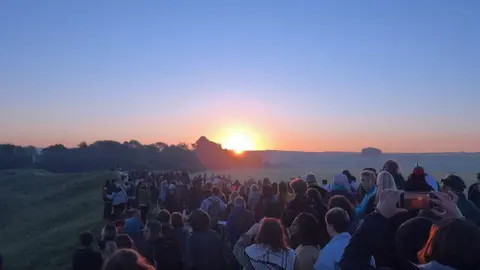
point(171, 221)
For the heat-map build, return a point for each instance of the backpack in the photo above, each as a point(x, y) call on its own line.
point(214, 211)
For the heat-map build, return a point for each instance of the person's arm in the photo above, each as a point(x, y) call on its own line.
point(111, 196)
point(358, 253)
point(239, 250)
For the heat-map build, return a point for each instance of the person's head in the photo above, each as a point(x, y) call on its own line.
point(153, 230)
point(350, 177)
point(367, 179)
point(282, 189)
point(275, 188)
point(272, 234)
point(456, 244)
point(216, 191)
point(266, 181)
point(311, 179)
point(233, 196)
point(453, 183)
point(86, 239)
point(391, 166)
point(127, 259)
point(177, 220)
point(299, 186)
point(314, 195)
point(242, 190)
point(384, 181)
point(133, 213)
point(267, 191)
point(239, 202)
point(337, 221)
point(107, 183)
point(254, 188)
point(124, 241)
point(163, 216)
point(343, 203)
point(411, 237)
point(109, 232)
point(199, 221)
point(307, 231)
point(478, 176)
point(341, 181)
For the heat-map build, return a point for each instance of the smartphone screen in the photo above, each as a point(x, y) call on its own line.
point(415, 200)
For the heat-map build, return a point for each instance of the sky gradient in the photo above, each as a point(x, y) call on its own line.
point(403, 76)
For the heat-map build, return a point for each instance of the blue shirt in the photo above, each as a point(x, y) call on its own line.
point(361, 208)
point(331, 254)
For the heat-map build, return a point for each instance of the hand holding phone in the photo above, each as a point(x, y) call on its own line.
point(415, 201)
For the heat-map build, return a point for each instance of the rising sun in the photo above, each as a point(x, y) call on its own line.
point(238, 141)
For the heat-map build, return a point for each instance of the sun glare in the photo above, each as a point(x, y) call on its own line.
point(238, 141)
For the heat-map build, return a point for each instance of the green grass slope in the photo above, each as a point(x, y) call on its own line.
point(43, 213)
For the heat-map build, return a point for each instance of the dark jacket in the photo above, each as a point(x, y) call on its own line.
point(300, 204)
point(350, 196)
point(163, 253)
point(399, 181)
point(468, 209)
point(87, 259)
point(474, 194)
point(239, 222)
point(180, 235)
point(323, 192)
point(268, 207)
point(375, 237)
point(205, 251)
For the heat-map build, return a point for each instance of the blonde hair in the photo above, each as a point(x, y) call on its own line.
point(233, 196)
point(384, 181)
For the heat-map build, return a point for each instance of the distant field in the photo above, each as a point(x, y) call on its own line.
point(43, 213)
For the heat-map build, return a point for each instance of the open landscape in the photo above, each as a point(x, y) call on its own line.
point(43, 212)
point(236, 90)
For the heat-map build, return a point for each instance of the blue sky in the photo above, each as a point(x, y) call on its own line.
point(307, 75)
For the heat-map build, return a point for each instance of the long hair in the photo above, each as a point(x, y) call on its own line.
point(384, 181)
point(283, 191)
point(272, 234)
point(233, 196)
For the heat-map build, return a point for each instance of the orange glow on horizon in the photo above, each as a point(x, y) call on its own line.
point(238, 140)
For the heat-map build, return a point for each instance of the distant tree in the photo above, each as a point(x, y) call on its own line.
point(82, 145)
point(371, 152)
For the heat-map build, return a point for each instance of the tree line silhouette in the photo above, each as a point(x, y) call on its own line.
point(103, 155)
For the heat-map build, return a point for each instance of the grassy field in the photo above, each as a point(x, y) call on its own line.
point(43, 213)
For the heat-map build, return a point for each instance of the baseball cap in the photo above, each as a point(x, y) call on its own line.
point(454, 182)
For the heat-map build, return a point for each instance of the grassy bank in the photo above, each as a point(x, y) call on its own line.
point(43, 213)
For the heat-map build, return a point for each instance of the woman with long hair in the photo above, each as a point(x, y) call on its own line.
point(107, 244)
point(309, 240)
point(269, 249)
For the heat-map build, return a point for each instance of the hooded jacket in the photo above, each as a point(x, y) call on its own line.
point(263, 258)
